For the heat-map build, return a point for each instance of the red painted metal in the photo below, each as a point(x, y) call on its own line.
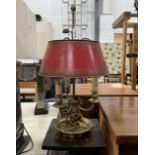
point(73, 58)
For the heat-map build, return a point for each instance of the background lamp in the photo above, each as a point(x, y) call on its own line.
point(72, 59)
point(31, 41)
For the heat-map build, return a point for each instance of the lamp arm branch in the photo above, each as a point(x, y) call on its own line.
point(87, 109)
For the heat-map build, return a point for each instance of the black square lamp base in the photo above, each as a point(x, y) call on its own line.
point(91, 144)
point(41, 110)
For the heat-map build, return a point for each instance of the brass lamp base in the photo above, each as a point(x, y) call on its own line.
point(65, 127)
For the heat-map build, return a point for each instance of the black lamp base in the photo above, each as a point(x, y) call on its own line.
point(41, 110)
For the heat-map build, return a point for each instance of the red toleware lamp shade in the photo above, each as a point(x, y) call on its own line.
point(73, 58)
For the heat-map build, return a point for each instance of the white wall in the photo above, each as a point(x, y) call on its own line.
point(42, 7)
point(106, 31)
point(25, 31)
point(91, 20)
point(51, 11)
point(119, 6)
point(111, 10)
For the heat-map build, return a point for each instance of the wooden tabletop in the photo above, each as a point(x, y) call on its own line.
point(116, 89)
point(27, 91)
point(122, 115)
point(28, 84)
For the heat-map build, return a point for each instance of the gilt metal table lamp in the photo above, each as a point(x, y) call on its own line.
point(72, 59)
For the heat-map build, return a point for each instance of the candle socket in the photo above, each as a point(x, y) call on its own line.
point(59, 100)
point(58, 87)
point(94, 97)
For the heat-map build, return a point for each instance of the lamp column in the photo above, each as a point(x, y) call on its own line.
point(42, 106)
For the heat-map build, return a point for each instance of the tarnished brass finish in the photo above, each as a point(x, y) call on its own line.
point(74, 128)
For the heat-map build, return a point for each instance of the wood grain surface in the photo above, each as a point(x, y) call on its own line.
point(122, 115)
point(105, 90)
